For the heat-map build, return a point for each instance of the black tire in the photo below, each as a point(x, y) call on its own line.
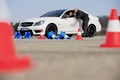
point(51, 27)
point(70, 35)
point(22, 33)
point(91, 30)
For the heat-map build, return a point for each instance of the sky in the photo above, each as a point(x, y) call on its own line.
point(24, 9)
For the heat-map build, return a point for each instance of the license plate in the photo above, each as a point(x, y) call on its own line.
point(24, 29)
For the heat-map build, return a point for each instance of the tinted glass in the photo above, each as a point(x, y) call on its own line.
point(55, 13)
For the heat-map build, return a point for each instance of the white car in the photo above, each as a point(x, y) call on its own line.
point(58, 21)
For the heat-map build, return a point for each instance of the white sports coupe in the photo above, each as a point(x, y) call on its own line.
point(57, 21)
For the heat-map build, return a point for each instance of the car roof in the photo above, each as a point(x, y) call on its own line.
point(63, 9)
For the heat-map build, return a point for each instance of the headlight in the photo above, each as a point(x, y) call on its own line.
point(39, 23)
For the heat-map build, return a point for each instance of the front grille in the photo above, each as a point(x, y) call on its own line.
point(26, 24)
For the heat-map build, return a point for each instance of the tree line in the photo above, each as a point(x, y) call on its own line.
point(104, 22)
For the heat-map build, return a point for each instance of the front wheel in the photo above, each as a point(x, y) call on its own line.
point(51, 27)
point(70, 35)
point(91, 30)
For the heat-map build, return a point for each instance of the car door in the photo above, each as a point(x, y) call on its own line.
point(71, 24)
point(63, 25)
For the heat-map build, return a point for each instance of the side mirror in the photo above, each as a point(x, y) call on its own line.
point(65, 16)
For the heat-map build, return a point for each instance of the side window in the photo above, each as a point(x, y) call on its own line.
point(69, 14)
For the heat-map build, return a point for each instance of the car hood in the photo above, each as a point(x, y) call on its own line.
point(40, 19)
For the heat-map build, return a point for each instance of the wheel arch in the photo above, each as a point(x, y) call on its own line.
point(53, 24)
point(48, 26)
point(91, 24)
point(93, 27)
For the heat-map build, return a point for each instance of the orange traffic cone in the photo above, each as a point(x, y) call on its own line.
point(9, 60)
point(113, 31)
point(79, 37)
point(42, 35)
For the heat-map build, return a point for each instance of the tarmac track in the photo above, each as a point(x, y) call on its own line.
point(69, 60)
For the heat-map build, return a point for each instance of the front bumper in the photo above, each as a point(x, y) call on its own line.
point(34, 31)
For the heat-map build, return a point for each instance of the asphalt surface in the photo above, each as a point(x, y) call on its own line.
point(68, 60)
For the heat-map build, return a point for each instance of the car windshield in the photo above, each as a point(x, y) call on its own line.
point(55, 13)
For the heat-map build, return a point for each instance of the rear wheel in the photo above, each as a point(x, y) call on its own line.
point(51, 27)
point(91, 30)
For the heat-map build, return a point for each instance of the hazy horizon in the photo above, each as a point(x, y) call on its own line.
point(24, 9)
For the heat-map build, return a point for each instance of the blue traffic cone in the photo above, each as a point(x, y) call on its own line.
point(51, 35)
point(17, 35)
point(64, 36)
point(27, 35)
